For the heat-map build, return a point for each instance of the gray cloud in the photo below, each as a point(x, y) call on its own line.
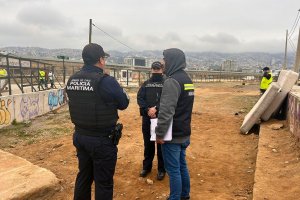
point(42, 16)
point(219, 38)
point(192, 25)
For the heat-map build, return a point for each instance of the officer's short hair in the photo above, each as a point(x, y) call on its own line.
point(92, 52)
point(156, 65)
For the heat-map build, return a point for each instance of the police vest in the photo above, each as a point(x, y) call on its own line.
point(88, 111)
point(264, 84)
point(153, 92)
point(183, 112)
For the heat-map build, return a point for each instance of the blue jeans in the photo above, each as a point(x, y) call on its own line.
point(176, 167)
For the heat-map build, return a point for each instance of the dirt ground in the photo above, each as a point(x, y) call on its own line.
point(221, 160)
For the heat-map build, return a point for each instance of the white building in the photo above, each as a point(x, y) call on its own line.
point(135, 61)
point(229, 65)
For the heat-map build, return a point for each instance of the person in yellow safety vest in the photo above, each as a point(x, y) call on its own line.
point(42, 76)
point(3, 73)
point(266, 80)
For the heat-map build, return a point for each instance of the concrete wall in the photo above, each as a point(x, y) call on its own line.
point(22, 107)
point(294, 111)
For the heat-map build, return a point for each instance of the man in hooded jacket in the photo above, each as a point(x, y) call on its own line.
point(176, 104)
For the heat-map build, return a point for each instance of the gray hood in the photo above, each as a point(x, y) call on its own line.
point(174, 60)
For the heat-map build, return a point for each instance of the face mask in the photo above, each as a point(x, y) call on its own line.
point(157, 77)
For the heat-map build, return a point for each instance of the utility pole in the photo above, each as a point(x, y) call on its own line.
point(64, 67)
point(285, 52)
point(297, 62)
point(90, 32)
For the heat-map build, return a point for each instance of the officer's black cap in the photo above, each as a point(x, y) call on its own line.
point(92, 52)
point(156, 65)
point(266, 69)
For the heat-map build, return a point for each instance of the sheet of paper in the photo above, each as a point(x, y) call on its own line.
point(168, 136)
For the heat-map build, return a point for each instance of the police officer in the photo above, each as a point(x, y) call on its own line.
point(266, 80)
point(94, 100)
point(148, 99)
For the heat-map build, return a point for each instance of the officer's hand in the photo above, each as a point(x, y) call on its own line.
point(159, 140)
point(151, 112)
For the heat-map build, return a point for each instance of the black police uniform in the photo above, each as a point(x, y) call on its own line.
point(149, 96)
point(94, 99)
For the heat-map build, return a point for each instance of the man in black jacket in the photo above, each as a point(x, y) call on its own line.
point(176, 104)
point(94, 100)
point(148, 99)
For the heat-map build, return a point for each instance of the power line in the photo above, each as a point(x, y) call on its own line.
point(294, 25)
point(292, 45)
point(112, 37)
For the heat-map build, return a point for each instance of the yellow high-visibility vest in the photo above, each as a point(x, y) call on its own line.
point(3, 73)
point(42, 74)
point(264, 84)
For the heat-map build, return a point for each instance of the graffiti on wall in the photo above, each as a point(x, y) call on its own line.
point(5, 116)
point(56, 98)
point(294, 115)
point(29, 106)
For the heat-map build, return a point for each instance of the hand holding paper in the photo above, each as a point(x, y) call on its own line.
point(168, 136)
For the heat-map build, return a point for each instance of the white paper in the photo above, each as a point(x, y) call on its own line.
point(168, 136)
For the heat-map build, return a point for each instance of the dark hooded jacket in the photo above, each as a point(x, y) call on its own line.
point(177, 98)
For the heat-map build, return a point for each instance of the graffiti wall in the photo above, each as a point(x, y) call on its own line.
point(23, 107)
point(6, 111)
point(294, 113)
point(56, 98)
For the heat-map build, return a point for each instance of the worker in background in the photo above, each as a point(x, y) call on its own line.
point(51, 78)
point(42, 77)
point(266, 80)
point(3, 74)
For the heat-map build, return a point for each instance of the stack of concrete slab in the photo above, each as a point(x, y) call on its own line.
point(271, 100)
point(20, 179)
point(263, 103)
point(286, 81)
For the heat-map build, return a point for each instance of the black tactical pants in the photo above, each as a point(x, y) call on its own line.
point(97, 157)
point(149, 148)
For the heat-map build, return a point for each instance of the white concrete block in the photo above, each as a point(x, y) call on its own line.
point(286, 81)
point(20, 179)
point(263, 103)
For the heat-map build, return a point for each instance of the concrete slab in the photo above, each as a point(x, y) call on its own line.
point(258, 109)
point(20, 179)
point(286, 81)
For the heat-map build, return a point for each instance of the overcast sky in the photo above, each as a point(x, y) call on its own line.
point(192, 25)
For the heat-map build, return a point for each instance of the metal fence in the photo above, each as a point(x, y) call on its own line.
point(23, 74)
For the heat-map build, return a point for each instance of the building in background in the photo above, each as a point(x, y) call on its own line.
point(135, 61)
point(229, 65)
